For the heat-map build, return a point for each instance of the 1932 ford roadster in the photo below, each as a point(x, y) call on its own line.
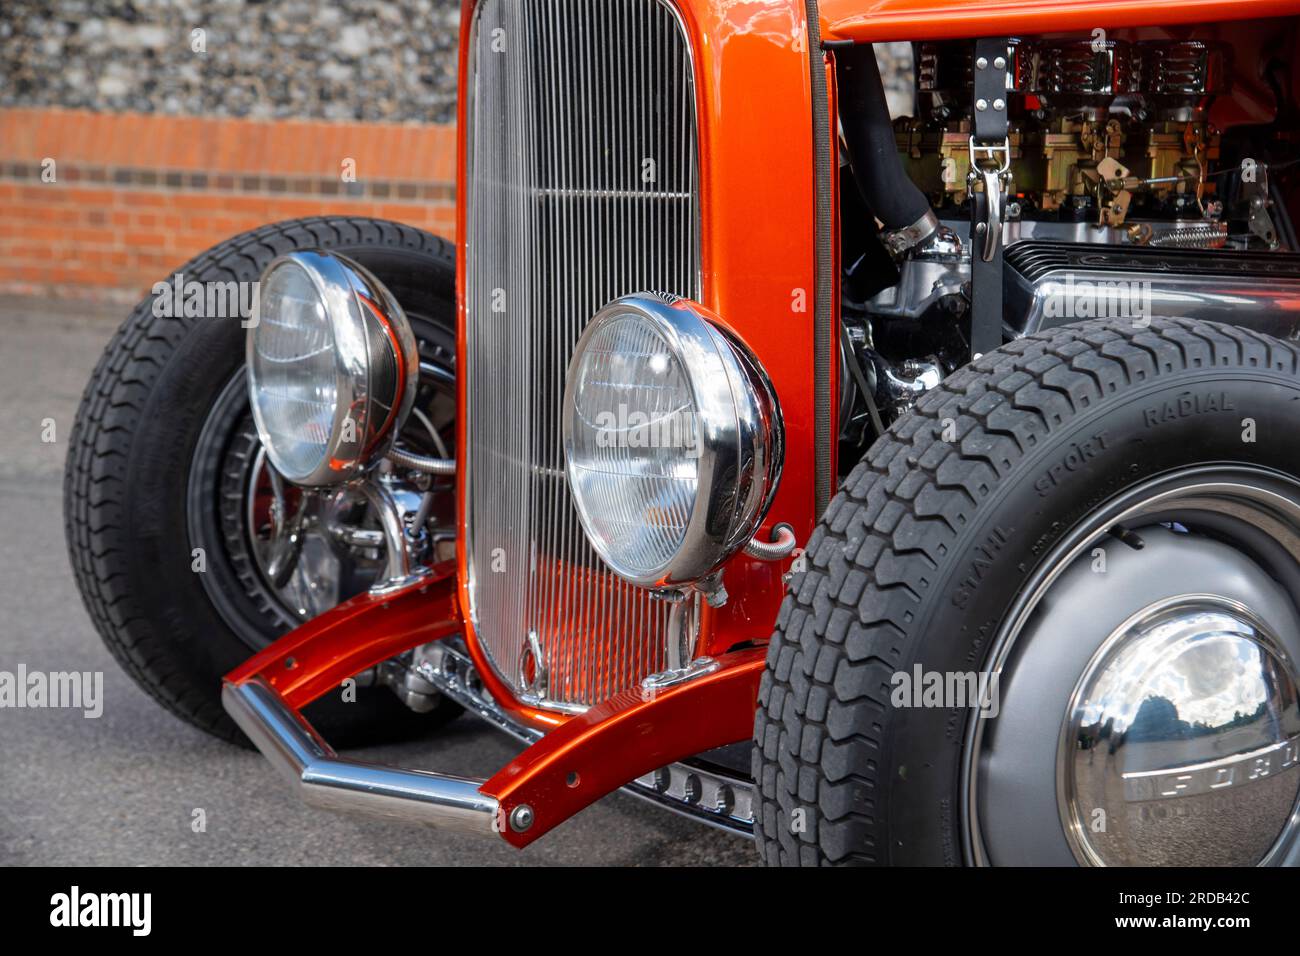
point(916, 489)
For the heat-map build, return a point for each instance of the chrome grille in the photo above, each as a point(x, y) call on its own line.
point(582, 187)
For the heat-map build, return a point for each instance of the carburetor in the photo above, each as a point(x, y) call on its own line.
point(1100, 128)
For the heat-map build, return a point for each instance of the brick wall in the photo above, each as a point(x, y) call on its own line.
point(129, 197)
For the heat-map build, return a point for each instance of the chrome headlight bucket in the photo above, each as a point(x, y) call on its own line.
point(673, 440)
point(332, 367)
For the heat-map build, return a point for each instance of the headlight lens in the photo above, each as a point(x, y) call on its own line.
point(632, 404)
point(672, 438)
point(293, 365)
point(332, 367)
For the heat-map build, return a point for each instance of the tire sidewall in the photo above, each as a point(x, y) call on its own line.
point(161, 563)
point(1174, 421)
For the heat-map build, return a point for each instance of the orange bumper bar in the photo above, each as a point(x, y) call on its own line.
point(587, 757)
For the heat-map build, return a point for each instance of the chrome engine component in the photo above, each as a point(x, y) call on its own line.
point(1083, 74)
point(1209, 235)
point(1110, 148)
point(1110, 151)
point(935, 271)
point(1180, 271)
point(552, 236)
point(893, 387)
point(1056, 273)
point(1096, 124)
point(1053, 283)
point(1177, 74)
point(905, 383)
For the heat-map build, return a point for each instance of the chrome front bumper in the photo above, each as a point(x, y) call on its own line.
point(326, 780)
point(620, 740)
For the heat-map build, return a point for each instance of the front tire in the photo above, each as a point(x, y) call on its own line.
point(164, 567)
point(999, 480)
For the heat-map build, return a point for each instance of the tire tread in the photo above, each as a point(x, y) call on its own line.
point(846, 624)
point(94, 481)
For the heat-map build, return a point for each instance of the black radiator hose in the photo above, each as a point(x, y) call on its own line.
point(873, 151)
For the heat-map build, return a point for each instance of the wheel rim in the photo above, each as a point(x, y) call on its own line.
point(1194, 620)
point(288, 554)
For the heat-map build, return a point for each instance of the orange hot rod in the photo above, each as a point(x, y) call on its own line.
point(911, 485)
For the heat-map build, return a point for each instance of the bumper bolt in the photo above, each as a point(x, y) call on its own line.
point(521, 818)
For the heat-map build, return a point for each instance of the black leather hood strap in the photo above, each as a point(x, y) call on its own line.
point(991, 68)
point(989, 148)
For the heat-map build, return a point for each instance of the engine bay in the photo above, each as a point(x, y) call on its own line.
point(1103, 132)
point(1163, 163)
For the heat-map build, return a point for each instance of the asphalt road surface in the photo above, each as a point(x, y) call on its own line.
point(122, 789)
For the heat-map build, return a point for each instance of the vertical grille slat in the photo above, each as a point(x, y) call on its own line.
point(582, 187)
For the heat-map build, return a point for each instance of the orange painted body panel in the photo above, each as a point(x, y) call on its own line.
point(873, 21)
point(318, 656)
point(758, 250)
point(624, 738)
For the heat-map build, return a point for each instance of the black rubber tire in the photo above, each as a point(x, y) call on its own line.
point(920, 555)
point(128, 465)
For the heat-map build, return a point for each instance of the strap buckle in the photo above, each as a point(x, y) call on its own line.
point(990, 227)
point(992, 151)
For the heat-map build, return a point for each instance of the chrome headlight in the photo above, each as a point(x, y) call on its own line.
point(332, 367)
point(673, 440)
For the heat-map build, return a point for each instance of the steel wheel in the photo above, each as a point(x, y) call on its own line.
point(289, 553)
point(1147, 710)
point(160, 464)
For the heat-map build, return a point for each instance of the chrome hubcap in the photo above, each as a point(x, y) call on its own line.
point(1181, 741)
point(1148, 683)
